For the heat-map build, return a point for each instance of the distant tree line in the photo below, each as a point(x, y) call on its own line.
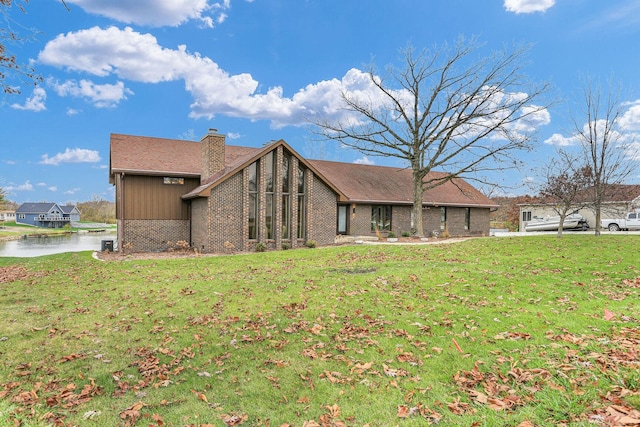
point(98, 210)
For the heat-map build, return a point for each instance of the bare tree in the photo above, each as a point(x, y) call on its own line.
point(9, 64)
point(604, 145)
point(444, 110)
point(566, 185)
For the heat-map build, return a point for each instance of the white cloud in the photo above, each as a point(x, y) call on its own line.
point(561, 141)
point(73, 111)
point(233, 135)
point(364, 161)
point(134, 56)
point(528, 6)
point(157, 13)
point(72, 191)
point(35, 102)
point(27, 186)
point(53, 188)
point(41, 184)
point(138, 57)
point(630, 119)
point(105, 95)
point(75, 155)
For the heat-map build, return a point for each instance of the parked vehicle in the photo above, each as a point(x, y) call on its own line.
point(630, 222)
point(550, 223)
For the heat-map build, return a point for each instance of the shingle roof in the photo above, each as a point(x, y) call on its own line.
point(357, 183)
point(160, 156)
point(35, 207)
point(383, 184)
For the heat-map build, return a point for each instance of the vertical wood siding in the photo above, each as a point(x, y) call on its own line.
point(147, 197)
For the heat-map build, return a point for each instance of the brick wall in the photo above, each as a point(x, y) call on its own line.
point(212, 154)
point(199, 224)
point(225, 216)
point(148, 235)
point(322, 212)
point(361, 220)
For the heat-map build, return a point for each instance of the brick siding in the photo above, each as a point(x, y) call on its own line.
point(148, 235)
point(322, 213)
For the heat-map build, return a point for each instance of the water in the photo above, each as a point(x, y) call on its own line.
point(55, 244)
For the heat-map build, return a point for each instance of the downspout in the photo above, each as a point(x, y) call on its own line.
point(120, 212)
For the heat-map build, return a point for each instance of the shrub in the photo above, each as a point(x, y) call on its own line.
point(286, 246)
point(310, 244)
point(406, 234)
point(261, 247)
point(391, 234)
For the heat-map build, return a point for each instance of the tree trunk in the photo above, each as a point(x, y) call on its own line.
point(418, 194)
point(561, 224)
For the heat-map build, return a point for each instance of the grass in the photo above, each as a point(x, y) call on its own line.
point(493, 331)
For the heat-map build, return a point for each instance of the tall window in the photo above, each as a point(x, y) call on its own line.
point(270, 195)
point(302, 205)
point(526, 215)
point(253, 200)
point(381, 218)
point(286, 195)
point(467, 218)
point(443, 218)
point(342, 219)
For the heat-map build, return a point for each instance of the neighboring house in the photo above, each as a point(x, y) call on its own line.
point(220, 198)
point(48, 215)
point(7, 216)
point(71, 212)
point(619, 199)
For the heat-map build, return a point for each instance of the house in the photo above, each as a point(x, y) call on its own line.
point(221, 198)
point(619, 199)
point(48, 215)
point(6, 215)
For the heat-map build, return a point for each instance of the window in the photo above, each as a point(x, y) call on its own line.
point(526, 215)
point(170, 180)
point(253, 200)
point(443, 218)
point(381, 218)
point(467, 218)
point(302, 205)
point(342, 219)
point(286, 197)
point(270, 195)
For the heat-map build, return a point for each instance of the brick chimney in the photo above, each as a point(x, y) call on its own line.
point(212, 154)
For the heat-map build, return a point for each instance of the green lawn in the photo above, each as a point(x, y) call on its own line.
point(528, 331)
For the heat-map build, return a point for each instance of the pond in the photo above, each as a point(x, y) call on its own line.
point(55, 244)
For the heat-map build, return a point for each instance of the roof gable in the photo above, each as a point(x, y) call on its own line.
point(241, 161)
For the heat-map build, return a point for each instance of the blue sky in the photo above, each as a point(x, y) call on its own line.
point(175, 68)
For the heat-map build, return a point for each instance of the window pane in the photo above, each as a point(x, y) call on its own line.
point(286, 216)
point(269, 172)
point(286, 161)
point(467, 218)
point(443, 218)
point(342, 219)
point(302, 217)
point(301, 174)
point(253, 176)
point(269, 216)
point(253, 215)
point(381, 218)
